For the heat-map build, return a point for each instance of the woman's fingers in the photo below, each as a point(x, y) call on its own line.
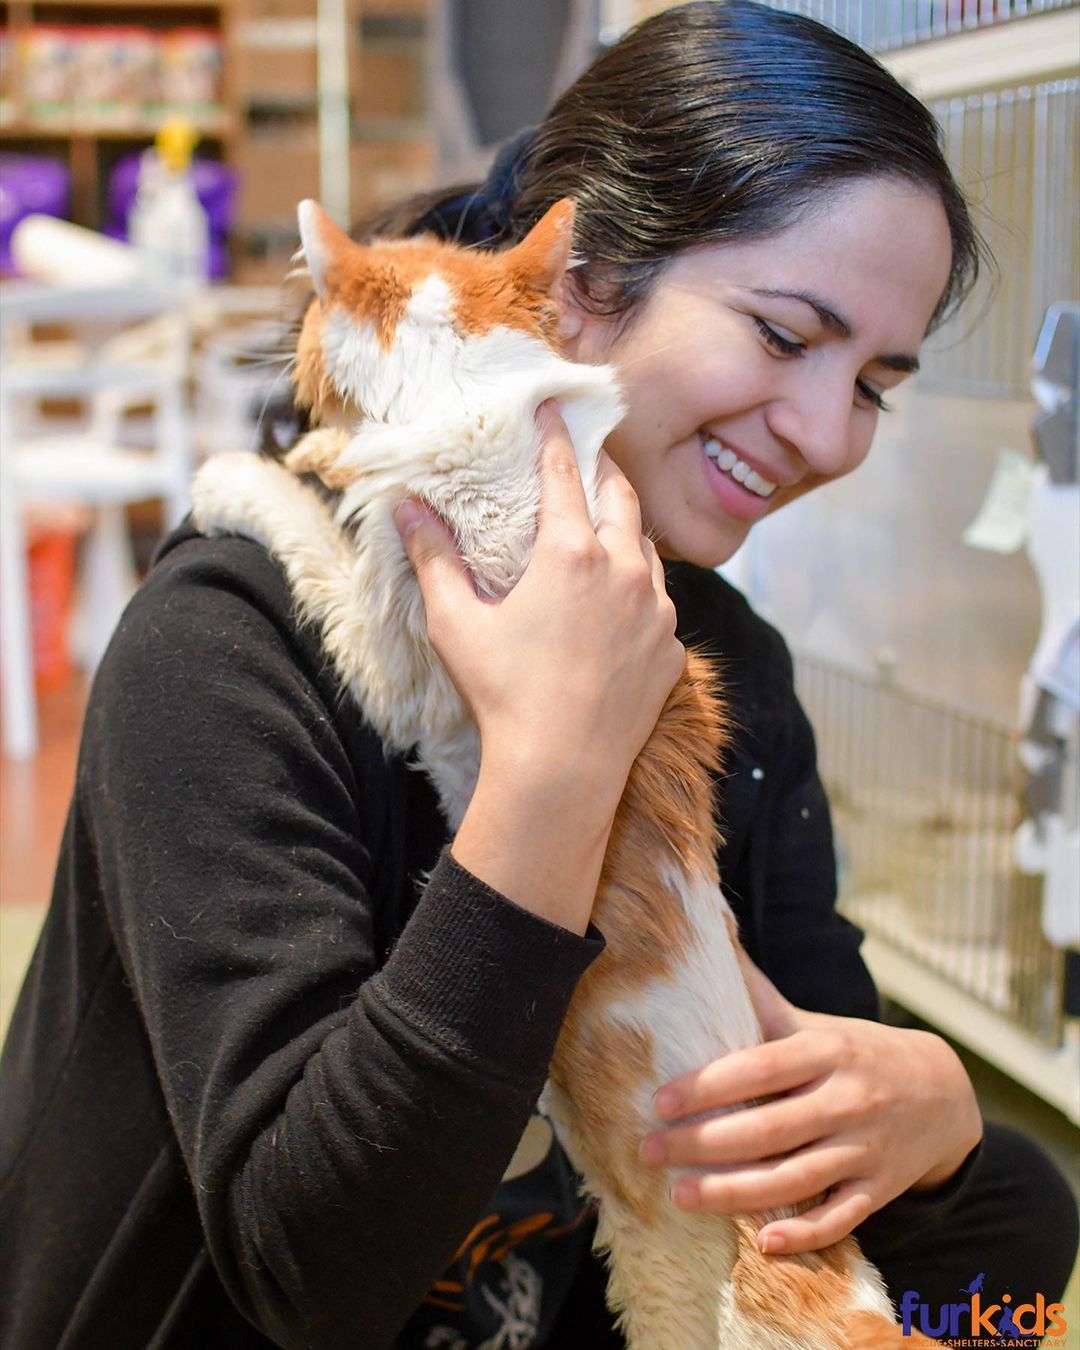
point(760, 1071)
point(889, 1109)
point(563, 501)
point(774, 1184)
point(617, 502)
point(840, 1213)
point(431, 549)
point(562, 494)
point(737, 1137)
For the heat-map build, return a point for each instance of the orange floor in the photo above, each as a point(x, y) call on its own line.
point(34, 798)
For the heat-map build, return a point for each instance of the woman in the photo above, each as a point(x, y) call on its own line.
point(266, 1082)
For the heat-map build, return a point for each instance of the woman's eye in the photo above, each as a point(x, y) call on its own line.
point(872, 396)
point(790, 346)
point(785, 346)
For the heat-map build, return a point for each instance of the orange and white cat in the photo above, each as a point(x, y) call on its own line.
point(424, 362)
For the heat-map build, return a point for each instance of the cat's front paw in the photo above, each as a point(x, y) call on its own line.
point(320, 452)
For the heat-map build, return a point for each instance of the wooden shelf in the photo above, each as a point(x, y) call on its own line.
point(1024, 51)
point(25, 129)
point(209, 5)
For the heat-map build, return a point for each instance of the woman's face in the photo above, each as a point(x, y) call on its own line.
point(755, 371)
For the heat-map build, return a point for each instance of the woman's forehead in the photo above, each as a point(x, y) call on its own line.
point(877, 242)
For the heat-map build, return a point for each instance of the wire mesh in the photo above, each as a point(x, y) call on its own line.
point(1016, 152)
point(883, 25)
point(925, 799)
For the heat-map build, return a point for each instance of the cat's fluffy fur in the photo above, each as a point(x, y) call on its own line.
point(426, 363)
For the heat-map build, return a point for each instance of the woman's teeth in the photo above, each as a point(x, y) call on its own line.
point(729, 462)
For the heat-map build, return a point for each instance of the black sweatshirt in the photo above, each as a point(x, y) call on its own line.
point(258, 1063)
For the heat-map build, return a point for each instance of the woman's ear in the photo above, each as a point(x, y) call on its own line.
point(581, 334)
point(571, 315)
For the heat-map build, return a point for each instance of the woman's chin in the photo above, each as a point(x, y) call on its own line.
point(707, 549)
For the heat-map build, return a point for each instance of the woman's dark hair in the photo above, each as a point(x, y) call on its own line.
point(711, 122)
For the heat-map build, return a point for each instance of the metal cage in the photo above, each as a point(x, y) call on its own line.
point(1015, 151)
point(882, 25)
point(925, 801)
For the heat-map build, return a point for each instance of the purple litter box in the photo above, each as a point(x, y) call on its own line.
point(29, 185)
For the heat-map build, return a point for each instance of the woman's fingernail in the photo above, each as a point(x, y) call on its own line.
point(407, 516)
point(686, 1194)
point(653, 1150)
point(771, 1242)
point(666, 1103)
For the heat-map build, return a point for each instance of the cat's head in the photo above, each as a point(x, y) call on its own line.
point(392, 317)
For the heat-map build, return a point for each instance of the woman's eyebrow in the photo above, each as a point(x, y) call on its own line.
point(829, 317)
point(901, 361)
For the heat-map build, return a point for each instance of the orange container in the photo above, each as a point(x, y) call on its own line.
point(52, 588)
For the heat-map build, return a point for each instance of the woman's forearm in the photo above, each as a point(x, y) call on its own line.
point(538, 838)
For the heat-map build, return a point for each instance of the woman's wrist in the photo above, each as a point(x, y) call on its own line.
point(967, 1128)
point(538, 837)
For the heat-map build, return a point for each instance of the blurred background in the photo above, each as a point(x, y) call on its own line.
point(932, 600)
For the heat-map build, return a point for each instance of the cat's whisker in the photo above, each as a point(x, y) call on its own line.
point(271, 393)
point(645, 356)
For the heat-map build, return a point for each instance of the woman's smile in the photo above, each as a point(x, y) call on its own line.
point(740, 489)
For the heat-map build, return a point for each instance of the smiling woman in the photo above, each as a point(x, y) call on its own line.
point(283, 1035)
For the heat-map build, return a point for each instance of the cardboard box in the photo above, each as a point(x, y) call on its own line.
point(277, 9)
point(388, 84)
point(268, 74)
point(384, 172)
point(277, 172)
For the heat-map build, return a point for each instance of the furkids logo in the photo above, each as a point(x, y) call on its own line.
point(980, 1322)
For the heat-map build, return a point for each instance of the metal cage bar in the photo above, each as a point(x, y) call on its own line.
point(925, 800)
point(884, 25)
point(1016, 153)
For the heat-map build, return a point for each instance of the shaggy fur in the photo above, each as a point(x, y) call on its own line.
point(430, 361)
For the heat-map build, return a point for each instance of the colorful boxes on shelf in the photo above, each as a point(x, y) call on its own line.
point(112, 75)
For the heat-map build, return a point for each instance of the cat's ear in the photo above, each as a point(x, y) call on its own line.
point(322, 242)
point(544, 254)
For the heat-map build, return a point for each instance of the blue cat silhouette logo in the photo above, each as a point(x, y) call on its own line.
point(1006, 1324)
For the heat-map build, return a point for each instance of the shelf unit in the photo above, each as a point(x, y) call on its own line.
point(268, 121)
point(275, 54)
point(91, 146)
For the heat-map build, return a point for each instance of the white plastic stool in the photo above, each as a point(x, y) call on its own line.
point(117, 367)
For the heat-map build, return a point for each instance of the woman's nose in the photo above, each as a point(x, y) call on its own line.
point(814, 416)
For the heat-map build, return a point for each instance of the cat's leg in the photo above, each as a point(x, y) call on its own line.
point(666, 1270)
point(667, 996)
point(697, 1282)
point(670, 1279)
point(319, 452)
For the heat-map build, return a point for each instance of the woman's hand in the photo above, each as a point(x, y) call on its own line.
point(565, 677)
point(570, 670)
point(857, 1113)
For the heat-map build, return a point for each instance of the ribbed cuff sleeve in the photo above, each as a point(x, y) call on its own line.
point(487, 980)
